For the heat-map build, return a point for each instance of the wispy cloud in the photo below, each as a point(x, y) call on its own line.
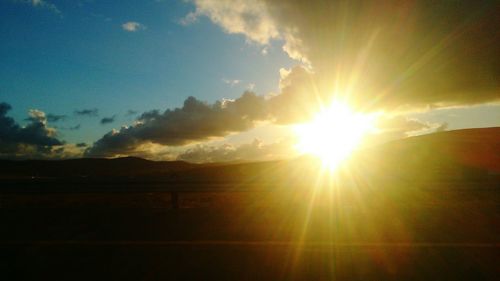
point(131, 112)
point(56, 118)
point(108, 120)
point(87, 112)
point(74, 128)
point(133, 26)
point(190, 18)
point(231, 82)
point(256, 150)
point(42, 4)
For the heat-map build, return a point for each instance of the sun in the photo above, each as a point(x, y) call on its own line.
point(334, 133)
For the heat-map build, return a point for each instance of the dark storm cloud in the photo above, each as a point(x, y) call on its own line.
point(108, 120)
point(56, 118)
point(35, 138)
point(87, 112)
point(81, 144)
point(194, 121)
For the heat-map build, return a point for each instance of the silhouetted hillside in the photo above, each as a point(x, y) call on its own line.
point(461, 154)
point(127, 167)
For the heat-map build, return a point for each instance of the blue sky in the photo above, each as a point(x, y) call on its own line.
point(83, 58)
point(60, 57)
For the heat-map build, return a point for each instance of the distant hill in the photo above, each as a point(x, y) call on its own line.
point(127, 167)
point(460, 154)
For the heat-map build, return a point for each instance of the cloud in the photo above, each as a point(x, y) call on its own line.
point(56, 118)
point(194, 121)
point(35, 115)
point(443, 127)
point(190, 18)
point(81, 144)
point(254, 151)
point(397, 127)
point(231, 82)
point(74, 128)
point(239, 16)
point(42, 4)
point(87, 112)
point(108, 120)
point(379, 55)
point(133, 26)
point(401, 124)
point(71, 128)
point(34, 139)
point(299, 98)
point(131, 112)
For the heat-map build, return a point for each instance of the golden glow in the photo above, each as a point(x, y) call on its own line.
point(334, 133)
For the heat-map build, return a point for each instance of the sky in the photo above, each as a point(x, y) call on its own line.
point(208, 80)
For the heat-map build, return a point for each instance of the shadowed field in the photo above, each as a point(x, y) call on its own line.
point(248, 235)
point(358, 224)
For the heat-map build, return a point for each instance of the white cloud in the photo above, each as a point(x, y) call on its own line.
point(231, 82)
point(381, 56)
point(190, 18)
point(133, 26)
point(250, 18)
point(42, 4)
point(253, 151)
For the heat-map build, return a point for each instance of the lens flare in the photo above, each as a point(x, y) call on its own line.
point(334, 133)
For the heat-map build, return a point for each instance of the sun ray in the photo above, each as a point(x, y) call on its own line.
point(334, 133)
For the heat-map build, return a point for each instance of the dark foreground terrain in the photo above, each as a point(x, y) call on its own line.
point(239, 236)
point(377, 220)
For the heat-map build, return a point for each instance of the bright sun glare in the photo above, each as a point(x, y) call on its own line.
point(334, 133)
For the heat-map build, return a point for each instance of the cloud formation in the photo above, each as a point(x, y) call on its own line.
point(254, 151)
point(87, 112)
point(56, 118)
point(131, 112)
point(133, 26)
point(380, 54)
point(231, 82)
point(238, 16)
point(34, 139)
point(42, 4)
point(74, 128)
point(194, 121)
point(376, 56)
point(397, 127)
point(108, 120)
